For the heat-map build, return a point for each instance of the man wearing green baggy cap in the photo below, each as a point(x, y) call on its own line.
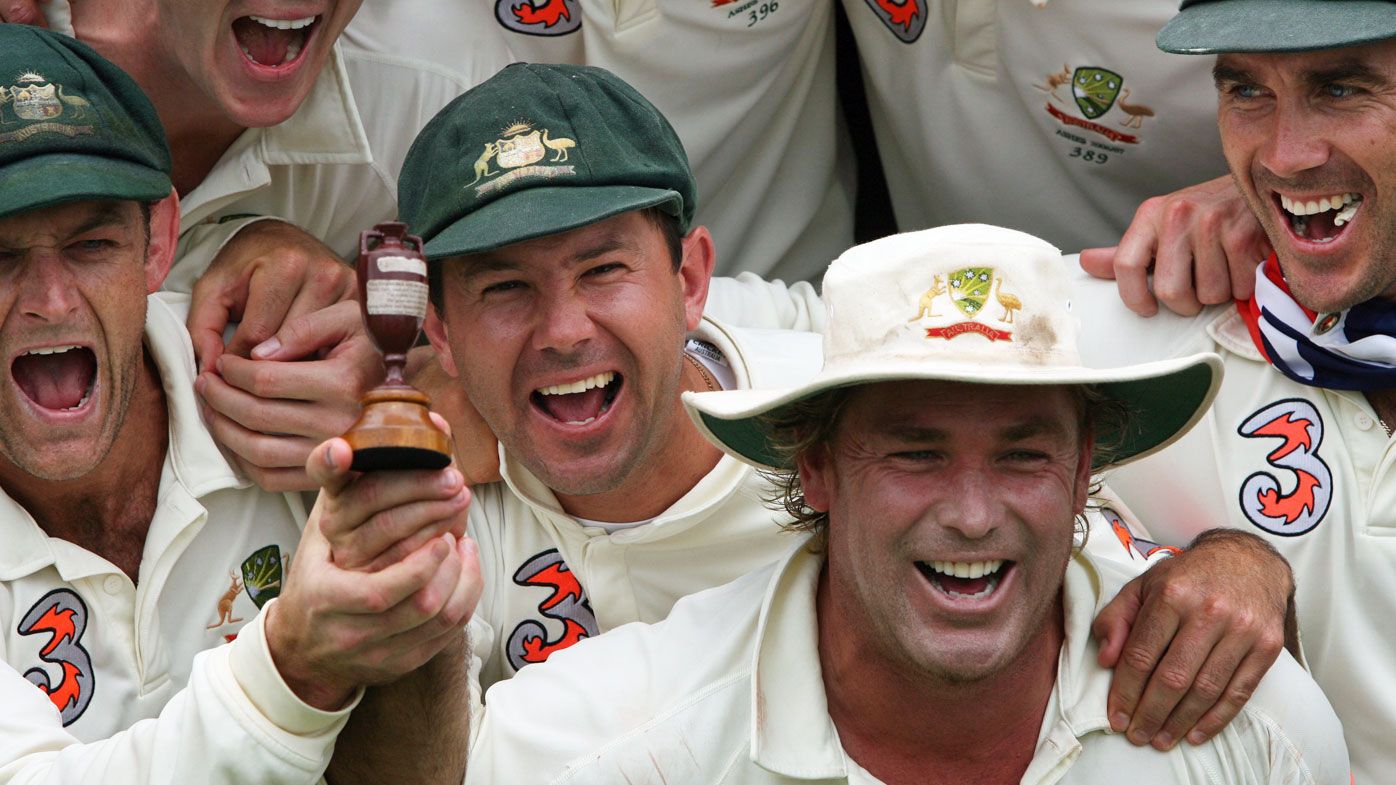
point(937, 629)
point(132, 550)
point(1297, 447)
point(568, 282)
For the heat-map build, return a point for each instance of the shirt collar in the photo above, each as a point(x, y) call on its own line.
point(791, 732)
point(192, 458)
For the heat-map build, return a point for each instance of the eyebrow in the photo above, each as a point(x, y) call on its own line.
point(1341, 71)
point(102, 216)
point(1225, 74)
point(487, 262)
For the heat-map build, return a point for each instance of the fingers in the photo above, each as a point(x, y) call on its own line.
point(1143, 648)
point(1099, 262)
point(272, 414)
point(267, 303)
point(399, 529)
point(1111, 626)
point(1173, 260)
point(1181, 682)
point(378, 509)
point(310, 333)
point(211, 309)
point(1134, 257)
point(1238, 691)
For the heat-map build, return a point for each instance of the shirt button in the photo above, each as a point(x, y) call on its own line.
point(112, 584)
point(1364, 421)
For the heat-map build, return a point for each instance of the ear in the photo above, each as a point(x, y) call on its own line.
point(435, 328)
point(817, 478)
point(164, 236)
point(695, 273)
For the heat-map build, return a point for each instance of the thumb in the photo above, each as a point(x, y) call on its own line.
point(1111, 627)
point(328, 464)
point(1099, 262)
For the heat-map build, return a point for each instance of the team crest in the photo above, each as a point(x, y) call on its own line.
point(1095, 90)
point(539, 17)
point(906, 19)
point(972, 292)
point(262, 573)
point(515, 155)
point(40, 104)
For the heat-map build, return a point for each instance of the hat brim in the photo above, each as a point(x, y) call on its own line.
point(48, 180)
point(1164, 399)
point(1277, 26)
point(539, 212)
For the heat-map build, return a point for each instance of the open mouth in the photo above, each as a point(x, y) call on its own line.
point(1320, 220)
point(56, 378)
point(273, 43)
point(579, 402)
point(965, 580)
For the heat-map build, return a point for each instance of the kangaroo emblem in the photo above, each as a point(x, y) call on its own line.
point(225, 603)
point(482, 164)
point(1054, 81)
point(928, 299)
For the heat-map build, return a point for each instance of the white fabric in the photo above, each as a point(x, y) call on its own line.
point(749, 87)
point(1342, 546)
point(717, 531)
point(332, 167)
point(167, 702)
point(964, 131)
point(728, 689)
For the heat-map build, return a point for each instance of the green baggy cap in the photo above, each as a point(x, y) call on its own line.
point(73, 126)
point(536, 150)
point(1217, 26)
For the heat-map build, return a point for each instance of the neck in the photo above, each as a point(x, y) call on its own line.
point(127, 33)
point(683, 459)
point(899, 722)
point(107, 510)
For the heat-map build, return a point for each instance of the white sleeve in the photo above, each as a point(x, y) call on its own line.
point(750, 301)
point(1115, 534)
point(235, 722)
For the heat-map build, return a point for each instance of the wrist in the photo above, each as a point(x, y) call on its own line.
point(311, 687)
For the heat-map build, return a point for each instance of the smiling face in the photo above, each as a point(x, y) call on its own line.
point(1311, 140)
point(570, 346)
point(951, 512)
point(73, 281)
point(257, 59)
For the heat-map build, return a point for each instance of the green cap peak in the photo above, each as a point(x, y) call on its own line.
point(536, 150)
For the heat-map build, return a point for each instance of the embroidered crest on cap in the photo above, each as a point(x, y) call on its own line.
point(969, 291)
point(41, 107)
point(518, 149)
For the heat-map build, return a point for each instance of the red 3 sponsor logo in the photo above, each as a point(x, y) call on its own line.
point(905, 18)
point(539, 17)
point(566, 602)
point(62, 616)
point(1296, 426)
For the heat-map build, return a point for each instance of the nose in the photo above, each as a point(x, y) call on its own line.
point(563, 322)
point(970, 507)
point(1296, 142)
point(46, 291)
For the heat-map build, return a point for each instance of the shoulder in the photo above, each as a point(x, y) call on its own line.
point(1111, 334)
point(1290, 720)
point(633, 681)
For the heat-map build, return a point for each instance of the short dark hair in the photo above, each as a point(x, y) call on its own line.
point(667, 224)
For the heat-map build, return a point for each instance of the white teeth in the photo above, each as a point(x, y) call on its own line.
point(581, 385)
point(52, 349)
point(81, 403)
point(959, 569)
point(292, 49)
point(283, 24)
point(1321, 205)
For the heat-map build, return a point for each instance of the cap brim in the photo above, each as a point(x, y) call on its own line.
point(47, 180)
point(538, 212)
point(1164, 399)
point(1277, 26)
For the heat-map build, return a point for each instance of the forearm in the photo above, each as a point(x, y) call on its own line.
point(415, 729)
point(231, 724)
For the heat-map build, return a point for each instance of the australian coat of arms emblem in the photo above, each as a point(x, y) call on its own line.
point(519, 148)
point(41, 106)
point(970, 291)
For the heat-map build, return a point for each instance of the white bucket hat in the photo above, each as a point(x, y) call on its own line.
point(969, 303)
